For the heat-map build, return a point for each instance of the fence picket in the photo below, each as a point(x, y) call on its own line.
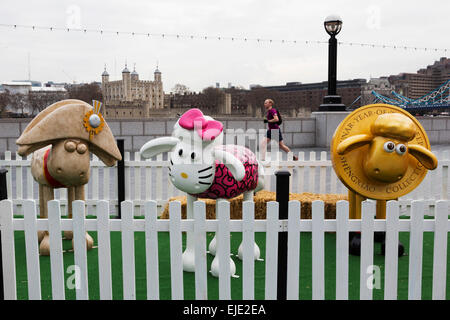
point(366, 270)
point(8, 175)
point(8, 251)
point(151, 248)
point(201, 288)
point(415, 251)
point(29, 178)
point(148, 180)
point(248, 243)
point(342, 243)
point(95, 180)
point(32, 251)
point(127, 176)
point(300, 173)
point(290, 167)
point(56, 256)
point(106, 182)
point(333, 183)
point(440, 250)
point(79, 246)
point(19, 186)
point(445, 176)
point(159, 170)
point(271, 258)
point(323, 173)
point(293, 262)
point(176, 264)
point(137, 177)
point(129, 286)
point(312, 173)
point(318, 250)
point(223, 248)
point(391, 250)
point(104, 250)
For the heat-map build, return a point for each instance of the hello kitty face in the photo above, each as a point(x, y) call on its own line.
point(193, 153)
point(192, 165)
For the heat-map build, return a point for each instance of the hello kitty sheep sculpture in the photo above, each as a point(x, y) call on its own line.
point(203, 167)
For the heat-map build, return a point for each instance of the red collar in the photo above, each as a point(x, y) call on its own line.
point(51, 181)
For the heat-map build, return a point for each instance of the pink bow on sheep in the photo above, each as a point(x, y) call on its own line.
point(207, 129)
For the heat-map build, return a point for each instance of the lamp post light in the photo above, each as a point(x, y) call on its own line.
point(332, 102)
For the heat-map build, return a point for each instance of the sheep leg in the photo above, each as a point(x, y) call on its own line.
point(381, 209)
point(70, 198)
point(79, 195)
point(381, 235)
point(248, 196)
point(41, 211)
point(215, 263)
point(188, 256)
point(355, 213)
point(45, 195)
point(354, 204)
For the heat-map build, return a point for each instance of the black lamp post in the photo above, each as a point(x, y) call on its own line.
point(332, 102)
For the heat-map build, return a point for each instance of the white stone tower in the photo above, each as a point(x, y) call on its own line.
point(126, 81)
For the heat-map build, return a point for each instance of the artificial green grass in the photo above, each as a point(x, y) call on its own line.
point(305, 282)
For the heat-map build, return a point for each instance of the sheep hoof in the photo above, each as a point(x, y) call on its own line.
point(355, 244)
point(401, 249)
point(89, 242)
point(68, 235)
point(41, 235)
point(44, 247)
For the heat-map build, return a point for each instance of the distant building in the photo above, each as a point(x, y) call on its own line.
point(25, 87)
point(305, 98)
point(16, 87)
point(131, 97)
point(214, 102)
point(28, 98)
point(416, 85)
point(380, 85)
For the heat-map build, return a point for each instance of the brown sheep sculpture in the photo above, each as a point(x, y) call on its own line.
point(61, 138)
point(383, 160)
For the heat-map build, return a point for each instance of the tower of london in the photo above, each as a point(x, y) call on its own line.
point(131, 97)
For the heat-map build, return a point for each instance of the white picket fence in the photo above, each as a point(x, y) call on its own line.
point(128, 226)
point(147, 180)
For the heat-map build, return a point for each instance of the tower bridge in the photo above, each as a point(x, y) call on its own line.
point(438, 99)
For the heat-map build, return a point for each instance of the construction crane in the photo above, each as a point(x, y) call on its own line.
point(68, 76)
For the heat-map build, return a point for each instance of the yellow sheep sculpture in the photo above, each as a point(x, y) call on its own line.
point(380, 152)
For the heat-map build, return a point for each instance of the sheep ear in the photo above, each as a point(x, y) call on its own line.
point(231, 162)
point(425, 156)
point(25, 150)
point(353, 142)
point(157, 146)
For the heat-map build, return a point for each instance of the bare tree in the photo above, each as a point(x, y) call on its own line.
point(38, 101)
point(86, 92)
point(210, 99)
point(258, 95)
point(4, 102)
point(18, 103)
point(180, 89)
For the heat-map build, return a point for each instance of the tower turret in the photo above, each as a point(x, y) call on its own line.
point(126, 81)
point(134, 74)
point(157, 75)
point(105, 75)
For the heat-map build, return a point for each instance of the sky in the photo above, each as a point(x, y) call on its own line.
point(197, 63)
